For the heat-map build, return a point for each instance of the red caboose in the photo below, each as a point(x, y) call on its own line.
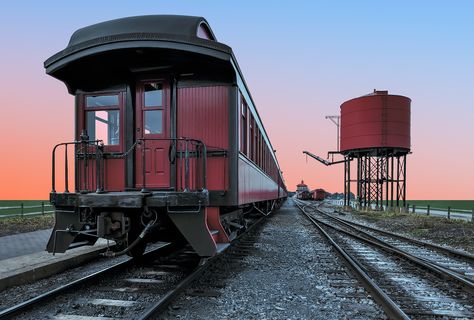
point(167, 139)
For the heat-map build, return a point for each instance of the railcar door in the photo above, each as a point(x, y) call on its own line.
point(153, 128)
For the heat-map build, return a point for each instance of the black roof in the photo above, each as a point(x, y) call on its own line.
point(173, 28)
point(178, 26)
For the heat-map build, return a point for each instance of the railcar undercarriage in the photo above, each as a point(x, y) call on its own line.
point(133, 219)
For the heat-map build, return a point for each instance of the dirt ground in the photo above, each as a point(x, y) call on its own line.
point(455, 233)
point(9, 226)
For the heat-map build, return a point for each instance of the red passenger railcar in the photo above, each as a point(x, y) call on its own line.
point(168, 139)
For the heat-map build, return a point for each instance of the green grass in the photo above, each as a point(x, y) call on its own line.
point(444, 204)
point(15, 225)
point(26, 203)
point(455, 233)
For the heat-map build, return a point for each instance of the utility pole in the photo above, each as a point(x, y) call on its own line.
point(336, 120)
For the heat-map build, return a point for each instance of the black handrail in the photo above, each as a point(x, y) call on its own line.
point(188, 142)
point(192, 148)
point(98, 156)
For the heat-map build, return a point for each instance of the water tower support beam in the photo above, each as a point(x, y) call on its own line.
point(387, 180)
point(348, 163)
point(345, 182)
point(404, 179)
point(377, 182)
point(398, 181)
point(392, 181)
point(358, 182)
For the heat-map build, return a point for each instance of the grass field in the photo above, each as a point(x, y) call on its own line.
point(26, 204)
point(444, 204)
point(455, 233)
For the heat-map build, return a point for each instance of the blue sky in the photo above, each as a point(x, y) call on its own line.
point(301, 59)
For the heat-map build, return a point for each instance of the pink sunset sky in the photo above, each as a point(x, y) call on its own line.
point(300, 60)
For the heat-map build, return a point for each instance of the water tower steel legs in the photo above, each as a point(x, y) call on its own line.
point(392, 160)
point(348, 163)
point(347, 181)
point(376, 180)
point(401, 177)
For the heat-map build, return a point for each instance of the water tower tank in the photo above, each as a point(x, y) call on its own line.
point(375, 121)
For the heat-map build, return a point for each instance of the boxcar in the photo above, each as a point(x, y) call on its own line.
point(318, 194)
point(168, 141)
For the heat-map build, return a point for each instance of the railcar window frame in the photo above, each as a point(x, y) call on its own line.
point(83, 122)
point(253, 143)
point(251, 138)
point(102, 95)
point(154, 108)
point(243, 126)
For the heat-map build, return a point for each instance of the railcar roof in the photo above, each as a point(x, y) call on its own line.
point(175, 28)
point(183, 26)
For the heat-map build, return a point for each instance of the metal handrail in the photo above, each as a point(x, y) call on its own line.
point(192, 148)
point(98, 156)
point(187, 155)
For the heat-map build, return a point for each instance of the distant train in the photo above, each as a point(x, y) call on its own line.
point(168, 142)
point(318, 194)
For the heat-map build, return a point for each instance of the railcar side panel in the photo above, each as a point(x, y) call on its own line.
point(203, 113)
point(254, 185)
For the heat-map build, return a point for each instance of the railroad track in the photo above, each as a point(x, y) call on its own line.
point(127, 290)
point(456, 261)
point(405, 285)
point(30, 306)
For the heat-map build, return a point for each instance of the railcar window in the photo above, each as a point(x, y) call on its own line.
point(153, 95)
point(252, 138)
point(102, 101)
point(154, 121)
point(104, 125)
point(243, 127)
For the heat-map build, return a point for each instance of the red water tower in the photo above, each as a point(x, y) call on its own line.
point(375, 131)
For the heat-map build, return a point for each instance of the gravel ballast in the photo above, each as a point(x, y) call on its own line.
point(289, 272)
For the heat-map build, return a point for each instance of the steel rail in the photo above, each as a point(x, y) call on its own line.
point(204, 264)
point(464, 255)
point(465, 284)
point(389, 306)
point(161, 304)
point(23, 306)
point(165, 300)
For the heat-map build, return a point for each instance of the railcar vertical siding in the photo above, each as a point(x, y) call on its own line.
point(203, 113)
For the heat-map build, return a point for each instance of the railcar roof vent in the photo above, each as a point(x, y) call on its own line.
point(204, 32)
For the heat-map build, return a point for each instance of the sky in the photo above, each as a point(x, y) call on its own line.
point(300, 59)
